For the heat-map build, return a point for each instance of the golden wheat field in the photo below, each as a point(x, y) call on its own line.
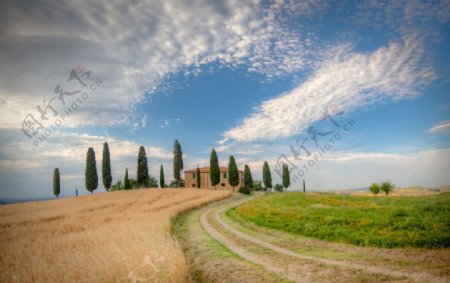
point(105, 237)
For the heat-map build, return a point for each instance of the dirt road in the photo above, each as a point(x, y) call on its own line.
point(304, 260)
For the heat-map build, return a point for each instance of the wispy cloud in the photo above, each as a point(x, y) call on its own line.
point(347, 81)
point(358, 169)
point(405, 17)
point(66, 148)
point(133, 48)
point(168, 122)
point(441, 127)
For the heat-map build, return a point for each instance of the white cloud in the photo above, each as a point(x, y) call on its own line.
point(165, 124)
point(405, 16)
point(222, 148)
point(357, 169)
point(339, 170)
point(69, 148)
point(347, 81)
point(133, 48)
point(26, 170)
point(442, 127)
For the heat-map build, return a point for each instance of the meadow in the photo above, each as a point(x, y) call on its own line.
point(105, 237)
point(389, 222)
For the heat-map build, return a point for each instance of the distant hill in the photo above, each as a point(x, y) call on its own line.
point(406, 191)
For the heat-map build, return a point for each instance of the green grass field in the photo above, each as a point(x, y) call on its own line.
point(366, 221)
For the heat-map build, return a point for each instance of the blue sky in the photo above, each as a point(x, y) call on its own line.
point(246, 78)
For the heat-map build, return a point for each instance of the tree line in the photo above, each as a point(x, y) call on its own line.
point(144, 180)
point(249, 185)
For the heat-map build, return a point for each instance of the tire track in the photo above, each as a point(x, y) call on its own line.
point(251, 256)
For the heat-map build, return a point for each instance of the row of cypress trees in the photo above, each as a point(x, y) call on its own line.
point(91, 178)
point(233, 173)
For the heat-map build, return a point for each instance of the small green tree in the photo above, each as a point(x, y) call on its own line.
point(248, 179)
point(214, 174)
point(198, 177)
point(106, 167)
point(375, 188)
point(245, 190)
point(162, 182)
point(278, 187)
point(142, 168)
point(257, 186)
point(90, 176)
point(386, 187)
point(118, 185)
point(134, 184)
point(267, 177)
point(175, 183)
point(233, 173)
point(56, 183)
point(286, 176)
point(177, 162)
point(126, 182)
point(151, 182)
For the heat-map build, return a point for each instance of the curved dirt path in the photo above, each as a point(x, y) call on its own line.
point(252, 256)
point(242, 252)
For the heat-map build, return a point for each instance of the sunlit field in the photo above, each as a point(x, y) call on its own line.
point(390, 222)
point(115, 236)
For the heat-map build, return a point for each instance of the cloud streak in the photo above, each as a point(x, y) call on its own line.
point(347, 81)
point(134, 48)
point(442, 127)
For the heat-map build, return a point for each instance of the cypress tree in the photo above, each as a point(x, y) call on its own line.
point(91, 178)
point(267, 177)
point(233, 174)
point(126, 182)
point(106, 167)
point(199, 180)
point(142, 168)
point(214, 174)
point(177, 162)
point(248, 179)
point(56, 183)
point(162, 182)
point(286, 176)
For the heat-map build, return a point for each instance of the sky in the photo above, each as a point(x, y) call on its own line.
point(346, 93)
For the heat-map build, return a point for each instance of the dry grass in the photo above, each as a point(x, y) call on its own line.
point(116, 236)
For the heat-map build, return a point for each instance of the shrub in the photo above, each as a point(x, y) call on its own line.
point(174, 184)
point(257, 186)
point(117, 186)
point(151, 182)
point(245, 190)
point(278, 188)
